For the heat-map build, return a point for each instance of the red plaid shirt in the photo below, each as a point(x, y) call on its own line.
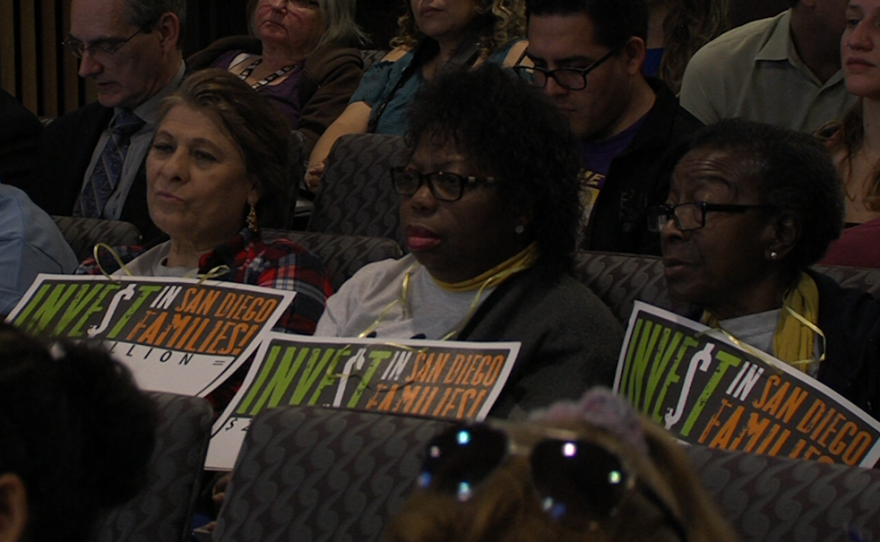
point(280, 264)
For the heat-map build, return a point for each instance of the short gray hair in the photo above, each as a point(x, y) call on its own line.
point(145, 14)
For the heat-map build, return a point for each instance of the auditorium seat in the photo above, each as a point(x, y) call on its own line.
point(621, 279)
point(162, 511)
point(83, 233)
point(355, 196)
point(312, 473)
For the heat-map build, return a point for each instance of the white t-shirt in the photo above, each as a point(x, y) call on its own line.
point(430, 313)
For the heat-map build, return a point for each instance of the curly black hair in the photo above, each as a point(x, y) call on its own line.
point(792, 171)
point(75, 429)
point(508, 129)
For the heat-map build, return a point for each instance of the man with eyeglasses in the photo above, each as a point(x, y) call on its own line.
point(90, 161)
point(587, 56)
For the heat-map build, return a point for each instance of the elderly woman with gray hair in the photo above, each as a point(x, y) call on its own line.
point(301, 57)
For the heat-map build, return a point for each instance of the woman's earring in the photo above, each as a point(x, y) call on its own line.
point(519, 229)
point(773, 254)
point(252, 219)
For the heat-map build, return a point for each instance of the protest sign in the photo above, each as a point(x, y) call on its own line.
point(441, 379)
point(707, 390)
point(176, 335)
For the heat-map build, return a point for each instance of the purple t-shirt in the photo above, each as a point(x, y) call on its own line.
point(596, 156)
point(284, 96)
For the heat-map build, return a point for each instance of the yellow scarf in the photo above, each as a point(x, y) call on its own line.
point(795, 336)
point(498, 274)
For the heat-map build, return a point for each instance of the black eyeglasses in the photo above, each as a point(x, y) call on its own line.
point(567, 78)
point(692, 215)
point(102, 50)
point(444, 186)
point(580, 483)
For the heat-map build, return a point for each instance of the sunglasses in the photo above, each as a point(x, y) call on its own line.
point(580, 483)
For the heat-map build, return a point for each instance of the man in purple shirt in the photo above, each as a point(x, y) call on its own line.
point(588, 56)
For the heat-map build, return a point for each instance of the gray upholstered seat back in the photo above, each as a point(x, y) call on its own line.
point(621, 279)
point(770, 499)
point(83, 233)
point(342, 255)
point(162, 511)
point(355, 196)
point(309, 474)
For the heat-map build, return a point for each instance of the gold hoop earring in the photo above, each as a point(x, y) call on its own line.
point(252, 219)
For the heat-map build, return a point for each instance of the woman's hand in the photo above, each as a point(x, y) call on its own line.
point(314, 174)
point(219, 494)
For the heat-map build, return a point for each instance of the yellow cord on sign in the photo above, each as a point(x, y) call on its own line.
point(115, 257)
point(218, 271)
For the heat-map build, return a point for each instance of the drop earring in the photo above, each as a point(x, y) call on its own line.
point(252, 219)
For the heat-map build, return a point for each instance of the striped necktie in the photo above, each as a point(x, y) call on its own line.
point(108, 170)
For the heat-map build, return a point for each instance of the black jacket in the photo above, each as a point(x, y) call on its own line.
point(639, 178)
point(569, 339)
point(64, 154)
point(850, 319)
point(20, 131)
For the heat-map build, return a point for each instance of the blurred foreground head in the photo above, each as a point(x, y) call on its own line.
point(76, 435)
point(593, 470)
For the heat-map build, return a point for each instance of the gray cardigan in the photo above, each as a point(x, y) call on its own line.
point(570, 339)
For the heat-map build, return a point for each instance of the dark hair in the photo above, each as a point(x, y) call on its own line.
point(75, 429)
point(508, 129)
point(614, 21)
point(792, 171)
point(254, 125)
point(689, 25)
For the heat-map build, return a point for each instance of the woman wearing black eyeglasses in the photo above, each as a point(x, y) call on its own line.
point(490, 210)
point(592, 470)
point(750, 208)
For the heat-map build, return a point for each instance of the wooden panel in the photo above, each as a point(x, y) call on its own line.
point(7, 46)
point(28, 40)
point(70, 65)
point(49, 60)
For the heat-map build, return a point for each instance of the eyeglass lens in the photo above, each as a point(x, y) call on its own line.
point(444, 186)
point(458, 460)
point(102, 51)
point(579, 483)
point(570, 79)
point(687, 216)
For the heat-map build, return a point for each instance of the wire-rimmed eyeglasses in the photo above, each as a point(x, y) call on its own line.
point(692, 215)
point(444, 186)
point(103, 48)
point(567, 78)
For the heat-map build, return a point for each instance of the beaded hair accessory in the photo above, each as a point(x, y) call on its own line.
point(602, 408)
